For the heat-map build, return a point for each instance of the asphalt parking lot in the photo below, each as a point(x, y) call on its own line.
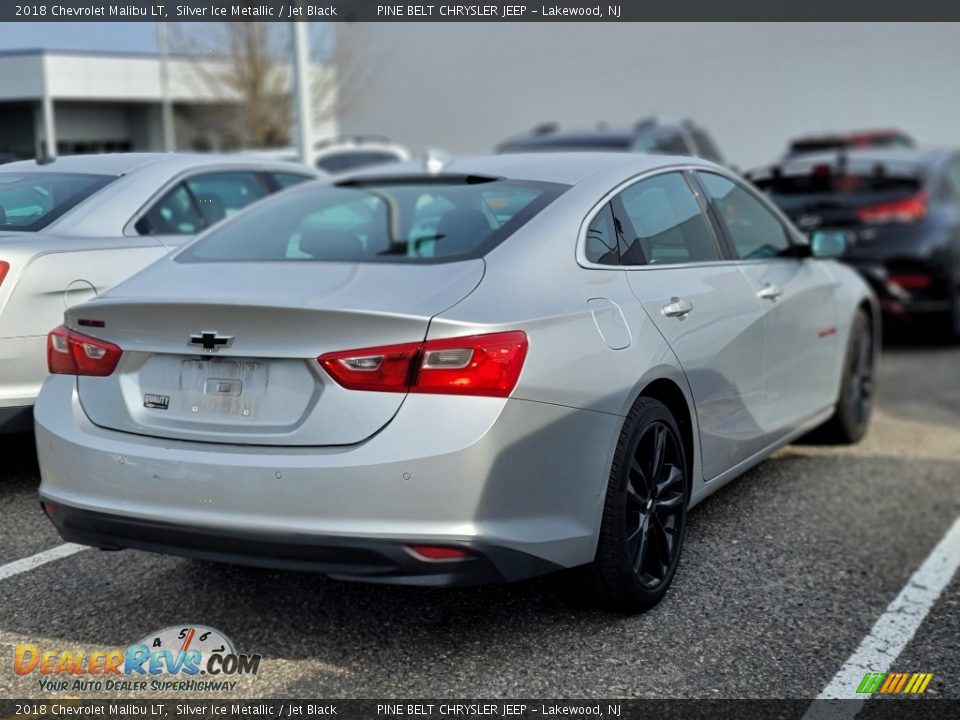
point(784, 573)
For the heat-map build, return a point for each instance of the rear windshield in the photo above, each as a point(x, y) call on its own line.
point(31, 201)
point(814, 145)
point(412, 221)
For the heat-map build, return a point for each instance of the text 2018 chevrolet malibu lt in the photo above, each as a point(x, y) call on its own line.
point(496, 369)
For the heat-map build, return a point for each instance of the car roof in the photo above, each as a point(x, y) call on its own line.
point(568, 168)
point(126, 163)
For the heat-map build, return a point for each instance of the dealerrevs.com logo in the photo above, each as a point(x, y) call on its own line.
point(187, 658)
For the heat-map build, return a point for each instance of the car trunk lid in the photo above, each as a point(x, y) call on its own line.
point(227, 352)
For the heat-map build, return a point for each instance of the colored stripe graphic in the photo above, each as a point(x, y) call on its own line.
point(871, 683)
point(894, 683)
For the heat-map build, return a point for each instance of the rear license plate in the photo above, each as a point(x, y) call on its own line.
point(223, 387)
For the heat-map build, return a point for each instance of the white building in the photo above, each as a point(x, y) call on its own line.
point(101, 101)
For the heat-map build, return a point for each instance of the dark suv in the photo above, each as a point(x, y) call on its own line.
point(646, 136)
point(901, 211)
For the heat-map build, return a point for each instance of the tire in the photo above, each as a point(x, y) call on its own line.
point(645, 513)
point(855, 406)
point(951, 321)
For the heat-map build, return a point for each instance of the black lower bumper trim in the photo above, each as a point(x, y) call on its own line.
point(365, 559)
point(16, 420)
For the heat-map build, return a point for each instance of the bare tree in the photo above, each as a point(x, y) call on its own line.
point(246, 66)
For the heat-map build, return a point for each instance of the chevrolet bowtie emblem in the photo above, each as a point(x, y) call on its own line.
point(210, 341)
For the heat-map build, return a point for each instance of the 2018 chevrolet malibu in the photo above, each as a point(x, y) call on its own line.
point(483, 372)
point(78, 225)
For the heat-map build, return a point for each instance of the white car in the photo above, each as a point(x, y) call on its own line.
point(74, 227)
point(342, 154)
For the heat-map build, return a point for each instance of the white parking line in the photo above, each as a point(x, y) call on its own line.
point(41, 558)
point(894, 629)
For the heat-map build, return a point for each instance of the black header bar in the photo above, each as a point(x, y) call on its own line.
point(516, 11)
point(471, 709)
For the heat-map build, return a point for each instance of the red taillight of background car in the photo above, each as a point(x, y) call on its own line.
point(4, 269)
point(73, 353)
point(486, 365)
point(908, 210)
point(911, 282)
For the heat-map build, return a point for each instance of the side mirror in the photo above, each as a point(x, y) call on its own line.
point(828, 243)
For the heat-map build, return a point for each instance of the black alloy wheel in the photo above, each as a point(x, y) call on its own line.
point(655, 504)
point(644, 516)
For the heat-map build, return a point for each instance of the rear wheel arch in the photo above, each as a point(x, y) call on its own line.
point(670, 394)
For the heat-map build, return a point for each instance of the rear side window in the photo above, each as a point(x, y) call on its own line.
point(31, 201)
point(219, 195)
point(667, 224)
point(199, 202)
point(415, 220)
point(601, 244)
point(754, 231)
point(176, 213)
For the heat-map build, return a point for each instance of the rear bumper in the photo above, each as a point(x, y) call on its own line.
point(897, 301)
point(369, 560)
point(516, 477)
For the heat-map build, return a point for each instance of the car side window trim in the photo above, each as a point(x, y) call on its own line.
point(613, 193)
point(707, 205)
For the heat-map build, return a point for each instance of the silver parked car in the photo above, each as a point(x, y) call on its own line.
point(504, 367)
point(76, 226)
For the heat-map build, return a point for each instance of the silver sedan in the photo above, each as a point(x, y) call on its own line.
point(474, 372)
point(78, 225)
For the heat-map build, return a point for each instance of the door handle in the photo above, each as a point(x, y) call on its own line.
point(677, 307)
point(770, 292)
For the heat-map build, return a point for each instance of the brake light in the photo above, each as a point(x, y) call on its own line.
point(73, 353)
point(4, 269)
point(908, 210)
point(911, 282)
point(487, 365)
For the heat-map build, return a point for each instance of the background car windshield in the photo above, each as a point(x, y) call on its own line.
point(382, 222)
point(352, 160)
point(599, 143)
point(31, 201)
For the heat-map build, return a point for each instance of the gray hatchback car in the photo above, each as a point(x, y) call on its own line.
point(483, 372)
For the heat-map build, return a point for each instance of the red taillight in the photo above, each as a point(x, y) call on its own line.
point(908, 210)
point(911, 282)
point(4, 269)
point(439, 552)
point(477, 365)
point(73, 353)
